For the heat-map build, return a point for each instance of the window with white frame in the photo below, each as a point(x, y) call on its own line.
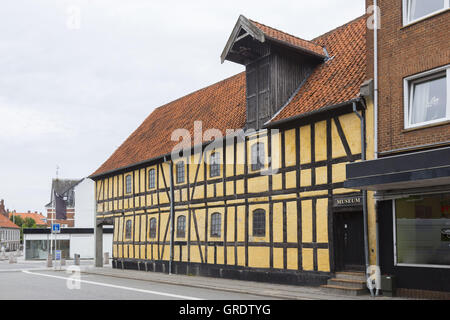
point(426, 98)
point(414, 10)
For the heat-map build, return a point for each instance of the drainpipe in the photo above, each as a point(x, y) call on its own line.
point(375, 110)
point(364, 192)
point(172, 214)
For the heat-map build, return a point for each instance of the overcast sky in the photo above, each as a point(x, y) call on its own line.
point(72, 90)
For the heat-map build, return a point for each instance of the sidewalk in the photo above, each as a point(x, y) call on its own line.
point(275, 291)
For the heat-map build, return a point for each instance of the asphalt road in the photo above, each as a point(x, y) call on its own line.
point(32, 284)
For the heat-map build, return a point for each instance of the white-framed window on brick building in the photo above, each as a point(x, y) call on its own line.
point(427, 99)
point(415, 10)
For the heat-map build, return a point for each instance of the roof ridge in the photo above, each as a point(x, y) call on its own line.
point(289, 34)
point(199, 90)
point(339, 27)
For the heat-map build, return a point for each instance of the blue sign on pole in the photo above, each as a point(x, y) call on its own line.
point(58, 255)
point(56, 228)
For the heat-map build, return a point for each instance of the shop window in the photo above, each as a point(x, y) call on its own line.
point(422, 230)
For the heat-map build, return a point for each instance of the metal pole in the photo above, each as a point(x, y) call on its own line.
point(172, 214)
point(364, 192)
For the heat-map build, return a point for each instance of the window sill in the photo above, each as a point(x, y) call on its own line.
point(434, 14)
point(438, 124)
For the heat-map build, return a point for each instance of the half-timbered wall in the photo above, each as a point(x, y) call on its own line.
point(297, 200)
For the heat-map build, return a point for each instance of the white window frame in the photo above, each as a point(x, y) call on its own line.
point(406, 12)
point(408, 95)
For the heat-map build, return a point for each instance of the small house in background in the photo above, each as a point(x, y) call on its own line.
point(77, 230)
point(9, 232)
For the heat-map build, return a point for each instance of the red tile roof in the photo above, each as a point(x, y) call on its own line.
point(6, 223)
point(223, 105)
point(290, 39)
point(38, 218)
point(220, 106)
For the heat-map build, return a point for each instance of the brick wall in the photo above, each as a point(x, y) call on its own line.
point(405, 51)
point(70, 214)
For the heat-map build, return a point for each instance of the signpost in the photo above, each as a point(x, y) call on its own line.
point(56, 228)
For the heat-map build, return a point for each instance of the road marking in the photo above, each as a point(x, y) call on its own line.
point(115, 286)
point(21, 270)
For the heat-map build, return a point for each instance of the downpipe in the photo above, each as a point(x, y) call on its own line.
point(364, 194)
point(172, 214)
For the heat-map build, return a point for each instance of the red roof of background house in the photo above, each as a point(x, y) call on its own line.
point(38, 218)
point(223, 105)
point(6, 223)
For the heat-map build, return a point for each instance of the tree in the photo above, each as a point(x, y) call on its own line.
point(17, 220)
point(23, 223)
point(29, 223)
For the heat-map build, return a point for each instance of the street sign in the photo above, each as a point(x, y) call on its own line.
point(56, 228)
point(58, 255)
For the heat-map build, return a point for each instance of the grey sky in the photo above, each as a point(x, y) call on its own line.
point(71, 96)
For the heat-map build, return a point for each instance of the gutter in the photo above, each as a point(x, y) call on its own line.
point(172, 214)
point(375, 117)
point(364, 192)
point(310, 114)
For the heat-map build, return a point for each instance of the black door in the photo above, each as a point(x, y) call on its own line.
point(349, 240)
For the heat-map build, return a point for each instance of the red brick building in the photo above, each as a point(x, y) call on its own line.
point(411, 176)
point(64, 188)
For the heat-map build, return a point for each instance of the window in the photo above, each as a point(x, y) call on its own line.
point(128, 184)
point(214, 165)
point(216, 225)
point(259, 223)
point(422, 230)
point(427, 99)
point(180, 172)
point(258, 156)
point(152, 232)
point(414, 10)
point(128, 229)
point(151, 179)
point(181, 226)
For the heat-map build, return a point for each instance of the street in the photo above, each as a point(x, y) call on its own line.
point(31, 281)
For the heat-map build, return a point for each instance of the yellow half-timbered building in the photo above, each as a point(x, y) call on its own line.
point(266, 202)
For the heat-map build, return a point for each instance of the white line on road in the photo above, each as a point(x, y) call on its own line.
point(115, 286)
